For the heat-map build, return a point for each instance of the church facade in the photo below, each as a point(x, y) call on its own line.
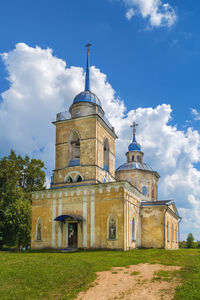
point(89, 203)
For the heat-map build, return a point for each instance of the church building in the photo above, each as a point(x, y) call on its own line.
point(90, 204)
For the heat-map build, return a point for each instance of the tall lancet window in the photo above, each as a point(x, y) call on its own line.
point(167, 231)
point(172, 232)
point(133, 229)
point(74, 149)
point(106, 155)
point(112, 227)
point(39, 230)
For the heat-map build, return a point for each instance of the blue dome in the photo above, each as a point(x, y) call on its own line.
point(87, 96)
point(134, 146)
point(135, 165)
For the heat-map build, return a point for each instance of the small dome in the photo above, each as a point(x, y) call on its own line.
point(134, 146)
point(87, 96)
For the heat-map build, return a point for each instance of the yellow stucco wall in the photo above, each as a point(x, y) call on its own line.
point(154, 222)
point(152, 227)
point(140, 178)
point(95, 204)
point(171, 225)
point(93, 132)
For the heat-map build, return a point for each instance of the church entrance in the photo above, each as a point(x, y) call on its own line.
point(72, 235)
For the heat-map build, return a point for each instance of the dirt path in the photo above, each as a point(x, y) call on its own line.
point(139, 282)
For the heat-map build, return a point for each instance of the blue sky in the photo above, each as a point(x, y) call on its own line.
point(150, 61)
point(144, 66)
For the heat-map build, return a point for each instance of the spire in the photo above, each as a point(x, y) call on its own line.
point(87, 78)
point(134, 126)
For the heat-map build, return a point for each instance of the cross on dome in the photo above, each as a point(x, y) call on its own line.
point(134, 146)
point(134, 126)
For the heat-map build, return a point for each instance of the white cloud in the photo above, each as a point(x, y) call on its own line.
point(195, 114)
point(41, 85)
point(130, 13)
point(159, 14)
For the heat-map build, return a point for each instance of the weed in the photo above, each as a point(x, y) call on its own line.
point(134, 273)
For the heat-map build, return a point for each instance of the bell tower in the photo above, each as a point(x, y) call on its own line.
point(85, 141)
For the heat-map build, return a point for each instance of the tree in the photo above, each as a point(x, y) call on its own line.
point(190, 240)
point(18, 178)
point(24, 172)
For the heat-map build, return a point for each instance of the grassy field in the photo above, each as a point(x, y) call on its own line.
point(44, 275)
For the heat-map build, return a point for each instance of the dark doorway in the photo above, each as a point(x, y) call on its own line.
point(72, 235)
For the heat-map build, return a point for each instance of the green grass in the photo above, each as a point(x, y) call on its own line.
point(135, 273)
point(44, 275)
point(163, 275)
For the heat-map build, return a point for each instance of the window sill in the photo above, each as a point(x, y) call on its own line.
point(111, 239)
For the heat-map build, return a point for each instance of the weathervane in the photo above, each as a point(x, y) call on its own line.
point(134, 128)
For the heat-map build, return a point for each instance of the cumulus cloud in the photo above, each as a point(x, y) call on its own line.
point(195, 114)
point(130, 13)
point(41, 85)
point(159, 14)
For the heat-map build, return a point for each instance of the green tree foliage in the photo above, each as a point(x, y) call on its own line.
point(190, 240)
point(18, 178)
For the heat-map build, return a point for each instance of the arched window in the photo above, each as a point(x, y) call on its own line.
point(133, 229)
point(112, 227)
point(78, 178)
point(167, 231)
point(39, 230)
point(138, 158)
point(144, 190)
point(153, 191)
point(106, 155)
point(132, 157)
point(68, 179)
point(74, 149)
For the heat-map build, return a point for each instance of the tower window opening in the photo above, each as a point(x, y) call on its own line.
point(74, 149)
point(132, 157)
point(69, 179)
point(78, 178)
point(138, 158)
point(106, 155)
